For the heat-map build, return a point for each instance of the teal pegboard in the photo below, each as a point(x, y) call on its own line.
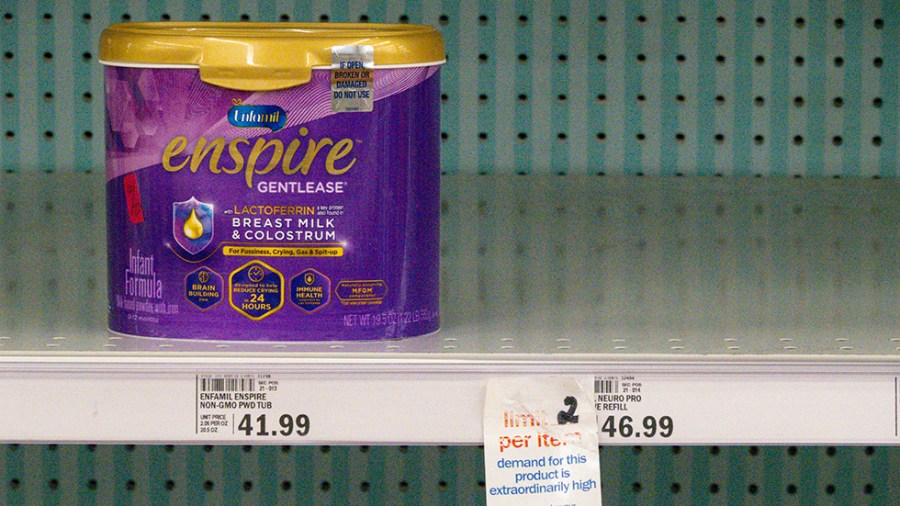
point(127, 474)
point(643, 87)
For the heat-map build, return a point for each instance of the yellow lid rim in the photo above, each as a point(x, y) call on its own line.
point(195, 67)
point(264, 56)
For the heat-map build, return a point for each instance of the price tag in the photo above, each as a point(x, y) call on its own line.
point(540, 442)
point(715, 408)
point(246, 406)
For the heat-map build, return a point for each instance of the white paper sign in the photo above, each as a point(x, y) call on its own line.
point(540, 442)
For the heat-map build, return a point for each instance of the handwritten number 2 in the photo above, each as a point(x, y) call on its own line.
point(564, 417)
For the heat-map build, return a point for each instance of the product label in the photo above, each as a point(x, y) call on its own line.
point(312, 223)
point(540, 442)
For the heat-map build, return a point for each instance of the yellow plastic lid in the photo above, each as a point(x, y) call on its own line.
point(263, 56)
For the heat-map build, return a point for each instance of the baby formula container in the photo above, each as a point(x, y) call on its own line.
point(273, 181)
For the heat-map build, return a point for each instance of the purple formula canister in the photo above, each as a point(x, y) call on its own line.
point(273, 182)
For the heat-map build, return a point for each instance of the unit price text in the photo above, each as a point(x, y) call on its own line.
point(288, 425)
point(628, 427)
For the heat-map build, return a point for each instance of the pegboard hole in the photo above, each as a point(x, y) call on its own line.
point(720, 20)
point(878, 62)
point(403, 19)
point(8, 55)
point(130, 485)
point(839, 23)
point(799, 61)
point(9, 96)
point(87, 56)
point(877, 102)
point(800, 22)
point(562, 20)
point(205, 17)
point(87, 97)
point(324, 18)
point(601, 20)
point(208, 485)
point(286, 486)
point(799, 101)
point(325, 486)
point(876, 141)
point(798, 140)
point(878, 23)
point(838, 61)
point(443, 19)
point(759, 101)
point(165, 17)
point(248, 486)
point(838, 102)
point(482, 20)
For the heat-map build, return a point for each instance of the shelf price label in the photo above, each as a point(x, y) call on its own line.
point(230, 406)
point(761, 408)
point(540, 442)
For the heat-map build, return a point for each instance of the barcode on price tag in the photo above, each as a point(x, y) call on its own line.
point(606, 385)
point(227, 384)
